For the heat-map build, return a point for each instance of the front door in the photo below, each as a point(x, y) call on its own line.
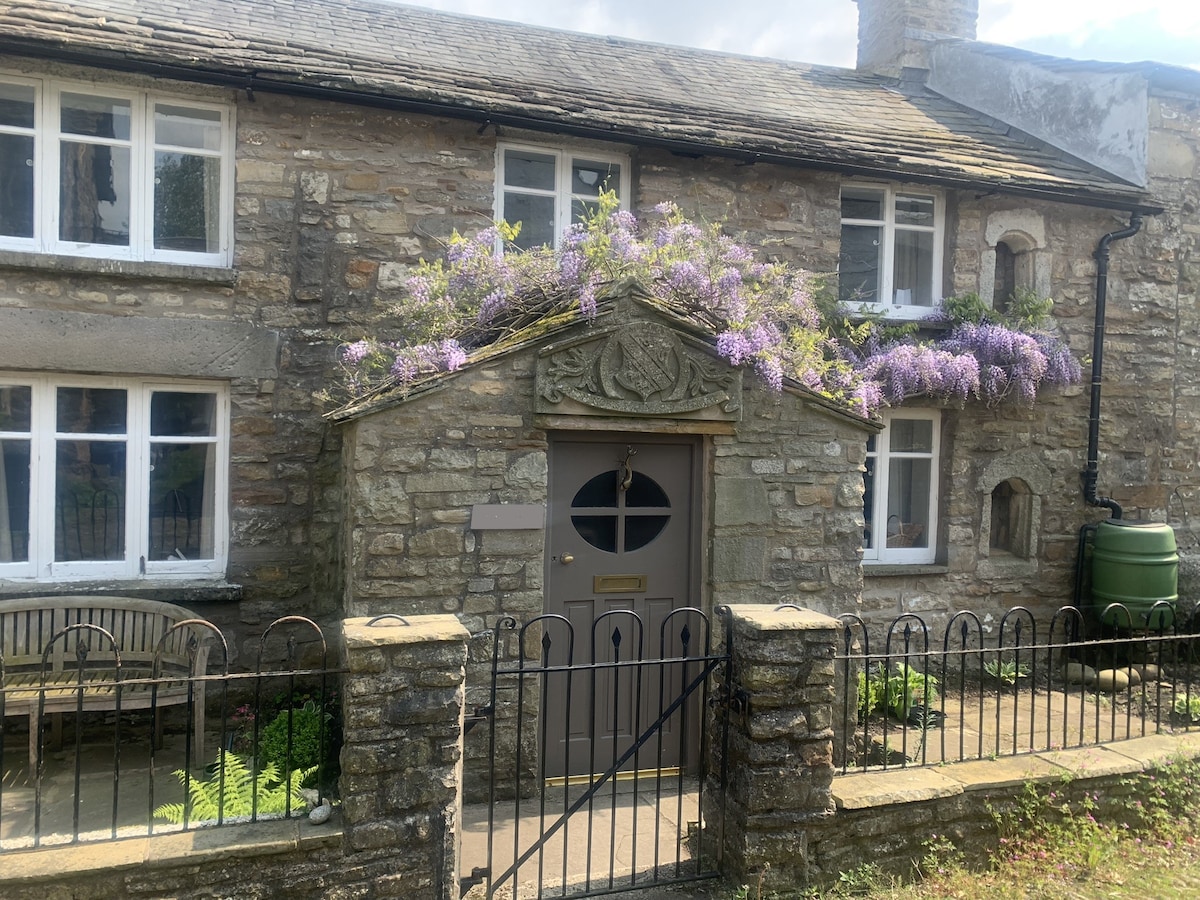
point(620, 537)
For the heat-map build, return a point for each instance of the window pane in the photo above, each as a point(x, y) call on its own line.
point(914, 210)
point(186, 202)
point(590, 178)
point(15, 409)
point(529, 170)
point(181, 126)
point(93, 194)
point(581, 209)
point(599, 531)
point(14, 501)
point(182, 501)
point(908, 502)
point(600, 490)
point(913, 278)
point(858, 265)
point(16, 185)
point(862, 203)
point(536, 215)
point(641, 530)
point(179, 414)
point(91, 410)
point(89, 503)
point(16, 105)
point(645, 491)
point(95, 116)
point(911, 435)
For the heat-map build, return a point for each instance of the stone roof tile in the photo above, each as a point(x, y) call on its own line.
point(561, 81)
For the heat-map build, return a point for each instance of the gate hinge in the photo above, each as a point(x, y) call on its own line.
point(481, 714)
point(469, 881)
point(736, 700)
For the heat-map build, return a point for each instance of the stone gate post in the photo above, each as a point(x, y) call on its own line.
point(401, 779)
point(780, 755)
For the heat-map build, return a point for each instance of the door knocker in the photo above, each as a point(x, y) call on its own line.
point(625, 472)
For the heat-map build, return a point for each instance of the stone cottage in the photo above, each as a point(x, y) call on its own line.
point(200, 202)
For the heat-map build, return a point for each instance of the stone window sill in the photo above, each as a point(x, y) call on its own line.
point(180, 591)
point(119, 268)
point(878, 570)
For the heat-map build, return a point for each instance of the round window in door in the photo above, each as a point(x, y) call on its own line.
point(620, 511)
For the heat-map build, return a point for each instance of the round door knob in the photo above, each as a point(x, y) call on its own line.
point(566, 559)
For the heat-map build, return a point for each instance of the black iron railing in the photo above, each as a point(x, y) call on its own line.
point(987, 687)
point(605, 729)
point(101, 748)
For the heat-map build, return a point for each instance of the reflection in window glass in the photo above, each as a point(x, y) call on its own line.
point(95, 116)
point(908, 503)
point(913, 275)
point(645, 491)
point(15, 407)
point(16, 185)
point(93, 194)
point(182, 497)
point(529, 170)
point(911, 436)
point(182, 126)
point(90, 501)
point(862, 203)
point(641, 530)
point(14, 500)
point(183, 414)
point(187, 202)
point(84, 410)
point(859, 263)
point(599, 531)
point(590, 178)
point(536, 216)
point(600, 490)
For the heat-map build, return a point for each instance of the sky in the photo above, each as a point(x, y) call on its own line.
point(823, 31)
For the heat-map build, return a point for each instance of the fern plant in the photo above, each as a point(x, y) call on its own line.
point(235, 794)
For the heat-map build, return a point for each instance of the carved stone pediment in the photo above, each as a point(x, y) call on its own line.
point(640, 369)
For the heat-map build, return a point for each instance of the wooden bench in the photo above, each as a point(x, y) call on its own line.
point(137, 626)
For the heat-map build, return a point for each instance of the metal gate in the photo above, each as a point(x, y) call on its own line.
point(610, 818)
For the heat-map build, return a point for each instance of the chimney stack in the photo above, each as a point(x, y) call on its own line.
point(894, 35)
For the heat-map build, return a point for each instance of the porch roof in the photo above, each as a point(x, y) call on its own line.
point(520, 76)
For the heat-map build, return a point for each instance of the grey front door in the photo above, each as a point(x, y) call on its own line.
point(621, 536)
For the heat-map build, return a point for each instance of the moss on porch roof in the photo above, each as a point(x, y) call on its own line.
point(522, 76)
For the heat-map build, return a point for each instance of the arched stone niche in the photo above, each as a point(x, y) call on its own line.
point(1011, 491)
point(1015, 255)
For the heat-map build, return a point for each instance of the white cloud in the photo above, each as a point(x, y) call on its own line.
point(824, 32)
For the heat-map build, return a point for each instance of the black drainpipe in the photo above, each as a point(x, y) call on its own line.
point(1090, 474)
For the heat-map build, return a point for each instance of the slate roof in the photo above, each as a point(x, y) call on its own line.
point(518, 75)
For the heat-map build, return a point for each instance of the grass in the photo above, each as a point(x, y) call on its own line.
point(1051, 846)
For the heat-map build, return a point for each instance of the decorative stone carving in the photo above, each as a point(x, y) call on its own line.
point(642, 369)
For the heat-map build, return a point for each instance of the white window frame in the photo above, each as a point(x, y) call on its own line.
point(564, 162)
point(43, 438)
point(142, 145)
point(887, 305)
point(880, 553)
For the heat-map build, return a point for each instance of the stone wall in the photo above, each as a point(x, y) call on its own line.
point(334, 202)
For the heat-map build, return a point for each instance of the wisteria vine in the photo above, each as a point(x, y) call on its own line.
point(767, 316)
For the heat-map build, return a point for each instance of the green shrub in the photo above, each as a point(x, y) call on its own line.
point(310, 748)
point(898, 691)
